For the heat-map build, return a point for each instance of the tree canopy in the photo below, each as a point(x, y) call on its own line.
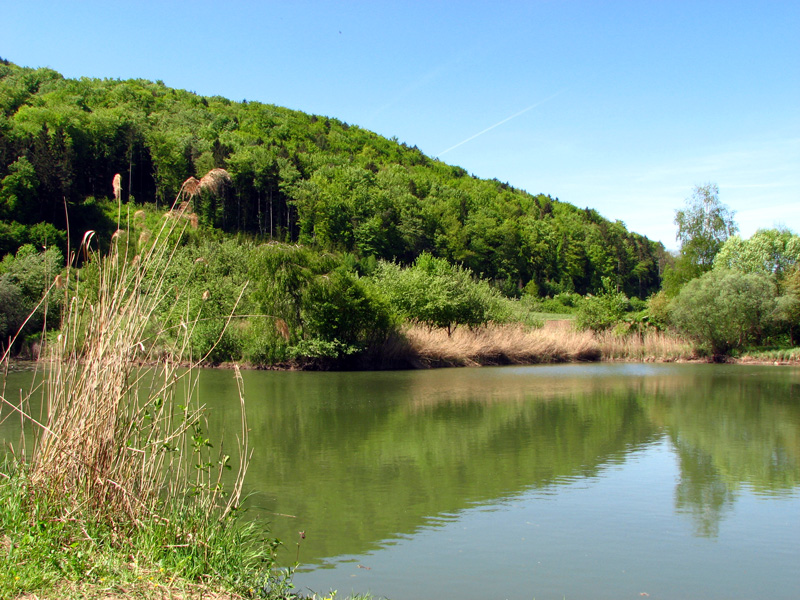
point(770, 251)
point(704, 225)
point(294, 178)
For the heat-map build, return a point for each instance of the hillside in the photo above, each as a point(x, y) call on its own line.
point(295, 178)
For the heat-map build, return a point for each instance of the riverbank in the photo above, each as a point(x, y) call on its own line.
point(418, 347)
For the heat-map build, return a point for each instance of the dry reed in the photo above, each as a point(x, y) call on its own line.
point(497, 344)
point(117, 185)
point(502, 344)
point(649, 346)
point(114, 437)
point(215, 181)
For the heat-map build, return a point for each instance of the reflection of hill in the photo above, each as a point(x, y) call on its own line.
point(362, 457)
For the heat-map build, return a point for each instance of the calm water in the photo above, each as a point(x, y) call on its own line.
point(550, 482)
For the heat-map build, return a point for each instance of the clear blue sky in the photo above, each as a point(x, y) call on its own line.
point(619, 106)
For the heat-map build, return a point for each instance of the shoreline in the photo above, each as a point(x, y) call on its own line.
point(19, 365)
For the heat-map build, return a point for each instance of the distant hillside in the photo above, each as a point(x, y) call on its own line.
point(295, 177)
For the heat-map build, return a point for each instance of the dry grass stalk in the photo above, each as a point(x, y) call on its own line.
point(113, 431)
point(117, 185)
point(648, 346)
point(497, 344)
point(189, 188)
point(282, 328)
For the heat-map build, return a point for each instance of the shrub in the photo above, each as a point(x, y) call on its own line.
point(322, 308)
point(603, 311)
point(438, 294)
point(724, 310)
point(25, 280)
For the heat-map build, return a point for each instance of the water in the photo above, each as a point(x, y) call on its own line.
point(575, 481)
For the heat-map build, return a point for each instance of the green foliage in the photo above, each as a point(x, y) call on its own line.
point(18, 190)
point(770, 251)
point(295, 178)
point(703, 227)
point(787, 310)
point(657, 310)
point(318, 307)
point(563, 303)
point(341, 309)
point(603, 311)
point(26, 279)
point(725, 310)
point(434, 292)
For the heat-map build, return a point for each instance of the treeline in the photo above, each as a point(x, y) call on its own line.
point(294, 178)
point(731, 296)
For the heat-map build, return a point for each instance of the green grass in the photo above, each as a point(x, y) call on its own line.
point(543, 316)
point(45, 549)
point(773, 354)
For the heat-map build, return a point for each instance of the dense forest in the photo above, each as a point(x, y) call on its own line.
point(293, 178)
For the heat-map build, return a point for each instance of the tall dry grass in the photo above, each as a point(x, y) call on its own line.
point(114, 437)
point(649, 346)
point(494, 345)
point(503, 344)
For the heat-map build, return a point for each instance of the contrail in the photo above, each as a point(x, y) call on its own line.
point(506, 120)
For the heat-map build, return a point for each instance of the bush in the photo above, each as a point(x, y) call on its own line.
point(320, 307)
point(25, 278)
point(724, 310)
point(603, 311)
point(438, 294)
point(658, 306)
point(343, 315)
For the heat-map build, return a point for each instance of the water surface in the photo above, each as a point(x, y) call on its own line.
point(574, 481)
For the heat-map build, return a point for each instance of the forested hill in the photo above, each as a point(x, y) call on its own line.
point(293, 177)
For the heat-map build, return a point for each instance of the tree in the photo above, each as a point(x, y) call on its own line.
point(787, 312)
point(24, 280)
point(437, 293)
point(703, 227)
point(770, 251)
point(725, 309)
point(18, 190)
point(602, 311)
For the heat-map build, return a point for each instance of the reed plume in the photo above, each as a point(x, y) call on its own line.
point(215, 181)
point(114, 438)
point(117, 185)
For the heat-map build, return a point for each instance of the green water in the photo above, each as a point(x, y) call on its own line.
point(576, 481)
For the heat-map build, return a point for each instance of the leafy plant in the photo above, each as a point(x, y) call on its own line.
point(725, 310)
point(438, 294)
point(603, 311)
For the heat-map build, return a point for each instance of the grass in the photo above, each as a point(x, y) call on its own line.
point(121, 494)
point(778, 355)
point(506, 344)
point(50, 552)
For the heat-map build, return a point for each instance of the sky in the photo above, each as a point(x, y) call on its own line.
point(623, 107)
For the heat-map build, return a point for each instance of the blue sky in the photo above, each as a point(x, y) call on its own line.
point(619, 106)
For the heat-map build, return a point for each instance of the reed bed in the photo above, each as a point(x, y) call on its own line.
point(498, 344)
point(648, 346)
point(113, 432)
point(506, 344)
